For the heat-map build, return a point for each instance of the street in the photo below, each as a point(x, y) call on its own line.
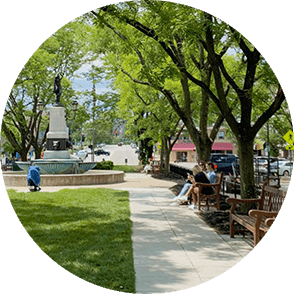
point(118, 155)
point(284, 181)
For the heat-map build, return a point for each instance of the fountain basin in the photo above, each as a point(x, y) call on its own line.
point(91, 177)
point(58, 166)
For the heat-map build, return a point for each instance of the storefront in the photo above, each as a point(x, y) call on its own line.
point(185, 152)
point(224, 147)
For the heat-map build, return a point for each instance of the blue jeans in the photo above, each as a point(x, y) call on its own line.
point(185, 189)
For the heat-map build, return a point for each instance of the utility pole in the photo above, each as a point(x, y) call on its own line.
point(268, 153)
point(93, 117)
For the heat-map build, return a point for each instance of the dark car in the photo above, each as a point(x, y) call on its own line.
point(102, 152)
point(225, 163)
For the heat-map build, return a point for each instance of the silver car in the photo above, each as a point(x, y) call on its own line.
point(285, 168)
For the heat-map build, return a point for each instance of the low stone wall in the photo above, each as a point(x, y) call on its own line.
point(93, 177)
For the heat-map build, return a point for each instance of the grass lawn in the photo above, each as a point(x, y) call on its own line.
point(86, 231)
point(128, 168)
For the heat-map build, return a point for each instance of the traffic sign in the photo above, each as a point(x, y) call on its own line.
point(290, 147)
point(290, 140)
point(289, 137)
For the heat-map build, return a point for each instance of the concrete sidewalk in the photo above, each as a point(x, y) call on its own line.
point(173, 248)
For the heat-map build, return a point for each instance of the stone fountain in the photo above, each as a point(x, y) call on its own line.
point(57, 159)
point(59, 167)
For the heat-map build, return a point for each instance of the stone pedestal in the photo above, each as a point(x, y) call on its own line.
point(57, 127)
point(57, 136)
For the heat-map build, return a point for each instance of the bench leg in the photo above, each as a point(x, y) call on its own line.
point(256, 235)
point(218, 203)
point(232, 229)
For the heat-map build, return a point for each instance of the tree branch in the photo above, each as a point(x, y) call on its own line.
point(275, 106)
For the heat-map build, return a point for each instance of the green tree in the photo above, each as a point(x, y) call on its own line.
point(62, 53)
point(181, 33)
point(145, 63)
point(149, 117)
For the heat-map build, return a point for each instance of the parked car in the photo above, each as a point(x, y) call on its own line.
point(82, 154)
point(225, 162)
point(89, 151)
point(120, 144)
point(133, 145)
point(261, 163)
point(232, 182)
point(102, 152)
point(282, 168)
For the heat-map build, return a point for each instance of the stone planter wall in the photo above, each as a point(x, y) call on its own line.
point(19, 179)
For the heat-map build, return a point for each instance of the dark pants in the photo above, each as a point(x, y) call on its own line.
point(31, 183)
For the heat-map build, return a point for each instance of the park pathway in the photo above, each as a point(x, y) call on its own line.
point(173, 248)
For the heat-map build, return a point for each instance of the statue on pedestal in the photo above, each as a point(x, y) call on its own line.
point(57, 90)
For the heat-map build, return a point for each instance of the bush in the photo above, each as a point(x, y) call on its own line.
point(104, 165)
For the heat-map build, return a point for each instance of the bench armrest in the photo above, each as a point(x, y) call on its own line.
point(237, 201)
point(260, 213)
point(206, 185)
point(233, 202)
point(269, 221)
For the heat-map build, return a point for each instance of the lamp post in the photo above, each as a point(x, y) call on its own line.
point(74, 105)
point(69, 120)
point(40, 106)
point(74, 109)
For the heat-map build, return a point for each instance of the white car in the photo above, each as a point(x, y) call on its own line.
point(285, 168)
point(82, 154)
point(261, 163)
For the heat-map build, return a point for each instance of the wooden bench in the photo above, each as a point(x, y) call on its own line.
point(259, 220)
point(155, 167)
point(205, 198)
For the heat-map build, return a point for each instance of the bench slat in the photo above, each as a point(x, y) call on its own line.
point(249, 222)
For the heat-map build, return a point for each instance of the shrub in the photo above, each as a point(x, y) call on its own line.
point(104, 165)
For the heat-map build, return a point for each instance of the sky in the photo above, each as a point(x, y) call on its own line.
point(81, 84)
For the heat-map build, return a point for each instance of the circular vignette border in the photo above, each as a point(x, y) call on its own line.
point(26, 25)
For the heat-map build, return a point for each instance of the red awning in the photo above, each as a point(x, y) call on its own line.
point(222, 146)
point(183, 147)
point(191, 146)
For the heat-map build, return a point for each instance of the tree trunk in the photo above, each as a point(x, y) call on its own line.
point(166, 162)
point(245, 149)
point(162, 157)
point(23, 155)
point(38, 153)
point(204, 150)
point(165, 156)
